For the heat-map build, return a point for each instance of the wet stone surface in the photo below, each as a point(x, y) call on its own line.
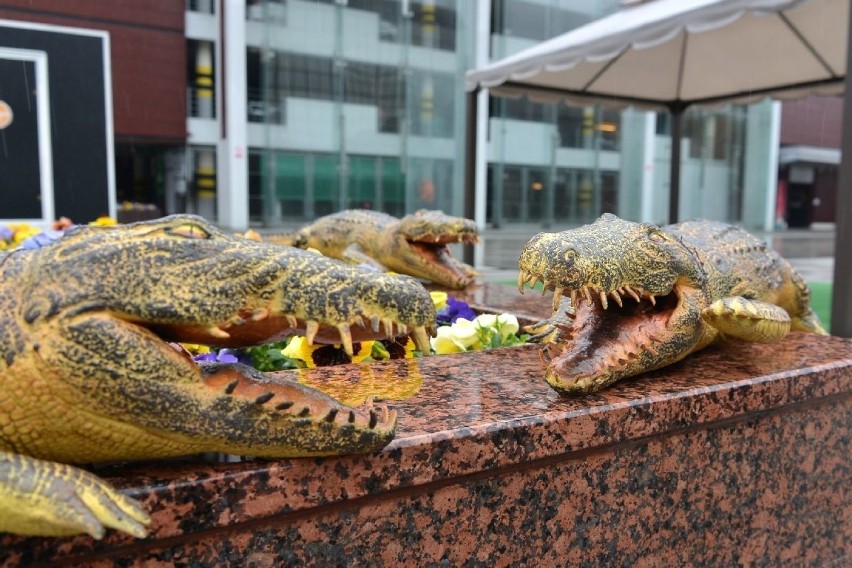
point(737, 455)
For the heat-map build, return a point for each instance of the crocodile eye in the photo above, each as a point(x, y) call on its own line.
point(189, 231)
point(657, 237)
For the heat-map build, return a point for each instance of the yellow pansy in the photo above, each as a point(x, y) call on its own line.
point(324, 355)
point(23, 231)
point(104, 221)
point(439, 299)
point(196, 348)
point(299, 349)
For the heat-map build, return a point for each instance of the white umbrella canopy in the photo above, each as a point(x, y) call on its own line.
point(677, 53)
point(674, 54)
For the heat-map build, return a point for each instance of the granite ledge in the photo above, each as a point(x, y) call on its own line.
point(470, 415)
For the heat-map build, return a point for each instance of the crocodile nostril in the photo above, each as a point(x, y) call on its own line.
point(569, 257)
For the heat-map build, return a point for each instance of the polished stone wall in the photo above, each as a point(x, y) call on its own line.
point(737, 455)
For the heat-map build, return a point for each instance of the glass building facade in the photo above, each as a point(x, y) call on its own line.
point(551, 164)
point(361, 103)
point(356, 104)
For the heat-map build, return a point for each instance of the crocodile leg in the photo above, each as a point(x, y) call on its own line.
point(551, 330)
point(355, 254)
point(804, 318)
point(51, 499)
point(748, 320)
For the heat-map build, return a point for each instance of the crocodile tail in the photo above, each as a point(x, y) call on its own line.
point(287, 239)
point(805, 319)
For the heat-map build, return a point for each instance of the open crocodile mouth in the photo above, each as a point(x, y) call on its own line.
point(606, 334)
point(255, 327)
point(435, 250)
point(284, 396)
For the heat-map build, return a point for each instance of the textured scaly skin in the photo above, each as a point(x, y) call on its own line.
point(87, 375)
point(631, 297)
point(414, 245)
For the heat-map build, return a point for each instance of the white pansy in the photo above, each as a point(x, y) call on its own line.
point(507, 323)
point(463, 330)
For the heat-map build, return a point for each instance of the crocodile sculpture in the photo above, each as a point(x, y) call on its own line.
point(631, 297)
point(88, 373)
point(415, 244)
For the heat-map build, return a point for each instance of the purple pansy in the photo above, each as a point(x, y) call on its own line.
point(42, 239)
point(455, 309)
point(225, 356)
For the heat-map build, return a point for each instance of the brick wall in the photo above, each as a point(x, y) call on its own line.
point(148, 53)
point(815, 121)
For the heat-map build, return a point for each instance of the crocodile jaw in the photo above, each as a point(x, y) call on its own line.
point(618, 333)
point(259, 326)
point(434, 261)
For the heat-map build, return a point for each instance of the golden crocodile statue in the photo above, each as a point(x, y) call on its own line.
point(87, 373)
point(415, 244)
point(631, 297)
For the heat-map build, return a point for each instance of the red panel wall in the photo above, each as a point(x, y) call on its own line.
point(815, 121)
point(148, 52)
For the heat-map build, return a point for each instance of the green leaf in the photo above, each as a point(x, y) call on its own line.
point(379, 352)
point(269, 357)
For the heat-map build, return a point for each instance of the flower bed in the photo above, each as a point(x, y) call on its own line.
point(25, 236)
point(460, 329)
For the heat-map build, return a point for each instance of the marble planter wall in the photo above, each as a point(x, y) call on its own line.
point(738, 455)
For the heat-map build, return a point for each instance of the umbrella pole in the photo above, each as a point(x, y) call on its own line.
point(841, 301)
point(674, 177)
point(470, 166)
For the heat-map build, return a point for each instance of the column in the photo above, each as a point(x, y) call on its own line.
point(232, 194)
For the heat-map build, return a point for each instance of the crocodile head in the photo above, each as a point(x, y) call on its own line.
point(419, 247)
point(632, 293)
point(103, 303)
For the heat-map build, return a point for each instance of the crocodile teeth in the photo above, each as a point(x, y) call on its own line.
point(374, 323)
point(632, 293)
point(260, 314)
point(522, 280)
point(421, 339)
point(604, 303)
point(574, 298)
point(346, 338)
point(359, 321)
point(388, 323)
point(292, 321)
point(217, 331)
point(588, 294)
point(311, 329)
point(652, 299)
point(557, 298)
point(533, 281)
point(617, 297)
